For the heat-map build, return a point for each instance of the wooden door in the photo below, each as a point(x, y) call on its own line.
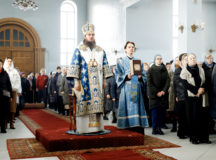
point(17, 43)
point(4, 54)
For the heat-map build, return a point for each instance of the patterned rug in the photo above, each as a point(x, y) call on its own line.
point(31, 148)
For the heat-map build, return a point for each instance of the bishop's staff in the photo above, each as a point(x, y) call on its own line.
point(72, 105)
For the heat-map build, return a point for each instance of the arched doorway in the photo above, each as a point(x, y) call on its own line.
point(20, 41)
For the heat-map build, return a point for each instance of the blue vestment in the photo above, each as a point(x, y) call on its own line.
point(131, 111)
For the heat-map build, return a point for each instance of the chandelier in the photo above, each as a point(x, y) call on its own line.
point(25, 5)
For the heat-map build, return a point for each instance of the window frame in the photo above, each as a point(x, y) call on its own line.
point(66, 53)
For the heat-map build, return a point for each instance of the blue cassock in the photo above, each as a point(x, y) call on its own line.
point(131, 112)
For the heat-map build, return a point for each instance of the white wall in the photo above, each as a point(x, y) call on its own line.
point(149, 25)
point(46, 21)
point(209, 14)
point(108, 16)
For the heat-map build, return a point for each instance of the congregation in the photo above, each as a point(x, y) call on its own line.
point(182, 95)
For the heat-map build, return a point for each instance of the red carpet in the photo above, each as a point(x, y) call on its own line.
point(52, 134)
point(46, 121)
point(125, 155)
point(58, 140)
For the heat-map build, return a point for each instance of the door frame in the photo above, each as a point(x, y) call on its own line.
point(39, 52)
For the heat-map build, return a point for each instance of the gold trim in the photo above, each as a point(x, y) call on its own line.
point(83, 47)
point(99, 49)
point(94, 124)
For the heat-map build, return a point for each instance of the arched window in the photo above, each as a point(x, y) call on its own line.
point(68, 31)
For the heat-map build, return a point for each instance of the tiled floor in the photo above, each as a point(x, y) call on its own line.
point(187, 151)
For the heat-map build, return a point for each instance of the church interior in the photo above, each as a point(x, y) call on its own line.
point(45, 33)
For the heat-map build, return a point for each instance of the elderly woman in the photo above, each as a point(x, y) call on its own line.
point(131, 112)
point(208, 66)
point(196, 102)
point(158, 82)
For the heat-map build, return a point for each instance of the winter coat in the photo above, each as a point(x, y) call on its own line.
point(192, 86)
point(56, 88)
point(179, 88)
point(51, 89)
point(171, 92)
point(158, 80)
point(5, 84)
point(115, 92)
point(64, 88)
point(108, 102)
point(59, 83)
point(208, 82)
point(5, 93)
point(213, 108)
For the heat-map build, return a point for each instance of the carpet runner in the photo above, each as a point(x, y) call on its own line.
point(31, 148)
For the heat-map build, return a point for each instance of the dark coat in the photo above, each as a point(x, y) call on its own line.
point(179, 88)
point(64, 88)
point(25, 86)
point(208, 79)
point(56, 88)
point(213, 108)
point(108, 102)
point(115, 92)
point(5, 85)
point(51, 89)
point(158, 80)
point(25, 89)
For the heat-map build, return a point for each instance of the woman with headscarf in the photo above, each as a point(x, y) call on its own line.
point(131, 111)
point(158, 82)
point(196, 102)
point(16, 87)
point(208, 66)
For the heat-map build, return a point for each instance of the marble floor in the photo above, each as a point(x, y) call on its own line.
point(187, 151)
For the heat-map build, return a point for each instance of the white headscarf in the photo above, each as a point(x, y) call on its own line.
point(14, 76)
point(7, 67)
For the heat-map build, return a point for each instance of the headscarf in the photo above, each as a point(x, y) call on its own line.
point(156, 57)
point(7, 67)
